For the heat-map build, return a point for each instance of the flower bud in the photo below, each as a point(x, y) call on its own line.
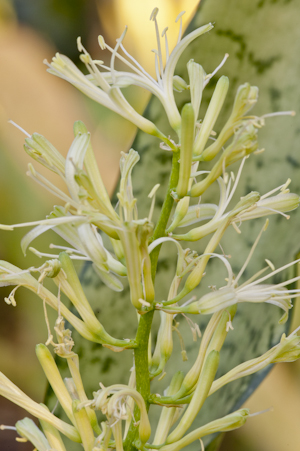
point(280, 203)
point(52, 434)
point(212, 114)
point(244, 203)
point(55, 380)
point(196, 76)
point(79, 127)
point(221, 331)
point(15, 395)
point(232, 421)
point(244, 143)
point(133, 262)
point(196, 213)
point(83, 426)
point(71, 286)
point(164, 345)
point(245, 99)
point(167, 416)
point(143, 233)
point(201, 392)
point(179, 84)
point(288, 349)
point(41, 150)
point(196, 275)
point(186, 149)
point(179, 214)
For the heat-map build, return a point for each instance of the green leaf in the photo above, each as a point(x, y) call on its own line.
point(262, 38)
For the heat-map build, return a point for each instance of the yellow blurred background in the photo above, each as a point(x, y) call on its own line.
point(41, 103)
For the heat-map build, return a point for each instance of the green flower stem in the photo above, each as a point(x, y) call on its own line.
point(160, 229)
point(145, 323)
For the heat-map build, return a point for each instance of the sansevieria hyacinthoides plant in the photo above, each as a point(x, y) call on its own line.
point(125, 246)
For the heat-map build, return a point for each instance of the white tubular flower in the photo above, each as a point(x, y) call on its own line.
point(104, 87)
point(253, 290)
point(114, 407)
point(27, 429)
point(12, 275)
point(281, 203)
point(251, 206)
point(41, 150)
point(10, 391)
point(87, 207)
point(232, 421)
point(89, 327)
point(287, 350)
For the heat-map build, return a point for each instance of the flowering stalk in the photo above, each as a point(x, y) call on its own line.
point(119, 243)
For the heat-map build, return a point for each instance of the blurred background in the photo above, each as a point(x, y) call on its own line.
point(31, 31)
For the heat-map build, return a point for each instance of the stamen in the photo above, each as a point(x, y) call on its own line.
point(157, 67)
point(279, 113)
point(202, 445)
point(3, 427)
point(270, 264)
point(276, 272)
point(194, 327)
point(264, 228)
point(179, 17)
point(258, 151)
point(20, 128)
point(55, 407)
point(283, 284)
point(235, 184)
point(183, 351)
point(164, 34)
point(91, 67)
point(154, 13)
point(234, 225)
point(153, 18)
point(284, 187)
point(101, 42)
point(79, 45)
point(10, 300)
point(277, 211)
point(257, 274)
point(281, 187)
point(68, 250)
point(152, 195)
point(147, 304)
point(142, 71)
point(115, 51)
point(44, 254)
point(58, 300)
point(50, 336)
point(162, 376)
point(270, 409)
point(41, 180)
point(209, 76)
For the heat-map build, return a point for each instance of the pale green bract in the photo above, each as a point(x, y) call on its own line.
point(123, 243)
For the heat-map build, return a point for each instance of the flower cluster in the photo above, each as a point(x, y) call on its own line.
point(119, 244)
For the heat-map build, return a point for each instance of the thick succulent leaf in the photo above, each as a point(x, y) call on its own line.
point(262, 38)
